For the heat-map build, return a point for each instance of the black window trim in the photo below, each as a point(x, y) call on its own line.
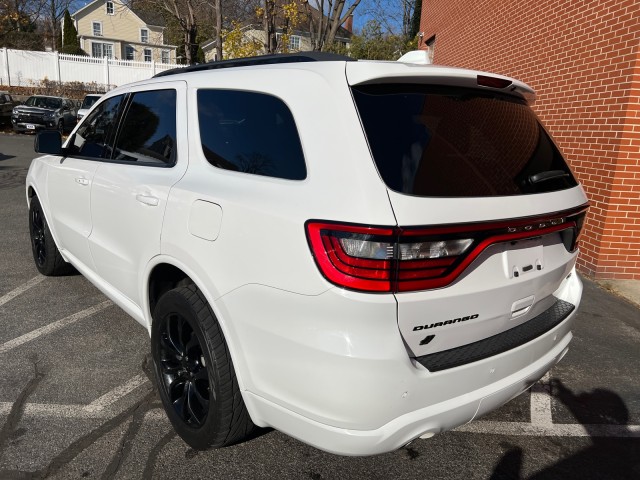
point(124, 107)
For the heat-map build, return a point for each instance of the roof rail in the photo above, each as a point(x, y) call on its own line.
point(261, 60)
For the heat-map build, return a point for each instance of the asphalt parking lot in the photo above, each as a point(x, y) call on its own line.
point(76, 400)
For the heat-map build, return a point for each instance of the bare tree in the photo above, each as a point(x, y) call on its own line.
point(218, 13)
point(394, 16)
point(269, 25)
point(19, 22)
point(187, 16)
point(326, 16)
point(54, 12)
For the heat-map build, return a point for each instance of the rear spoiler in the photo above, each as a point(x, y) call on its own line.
point(367, 73)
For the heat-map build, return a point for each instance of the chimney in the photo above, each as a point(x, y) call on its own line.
point(348, 24)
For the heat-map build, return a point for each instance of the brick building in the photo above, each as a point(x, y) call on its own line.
point(583, 59)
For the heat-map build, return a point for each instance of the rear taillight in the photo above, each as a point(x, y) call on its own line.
point(394, 259)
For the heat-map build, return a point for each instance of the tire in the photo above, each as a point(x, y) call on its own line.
point(46, 255)
point(61, 126)
point(194, 372)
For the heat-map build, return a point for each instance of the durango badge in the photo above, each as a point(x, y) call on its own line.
point(446, 322)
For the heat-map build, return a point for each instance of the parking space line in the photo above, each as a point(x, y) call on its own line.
point(553, 430)
point(54, 410)
point(52, 327)
point(541, 403)
point(21, 289)
point(116, 394)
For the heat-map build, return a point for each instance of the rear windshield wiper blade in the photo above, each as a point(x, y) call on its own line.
point(549, 175)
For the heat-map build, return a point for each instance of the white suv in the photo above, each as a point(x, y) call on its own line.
point(354, 253)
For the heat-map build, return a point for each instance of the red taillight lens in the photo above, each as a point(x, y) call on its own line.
point(351, 256)
point(393, 259)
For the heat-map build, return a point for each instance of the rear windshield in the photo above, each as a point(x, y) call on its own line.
point(89, 101)
point(455, 142)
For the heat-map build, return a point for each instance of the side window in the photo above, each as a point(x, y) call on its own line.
point(94, 136)
point(148, 132)
point(250, 132)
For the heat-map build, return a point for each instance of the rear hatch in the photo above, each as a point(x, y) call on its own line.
point(488, 212)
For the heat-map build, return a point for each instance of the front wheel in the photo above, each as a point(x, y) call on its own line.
point(194, 372)
point(46, 255)
point(61, 126)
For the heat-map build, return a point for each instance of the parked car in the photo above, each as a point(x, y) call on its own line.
point(44, 112)
point(6, 107)
point(88, 102)
point(355, 253)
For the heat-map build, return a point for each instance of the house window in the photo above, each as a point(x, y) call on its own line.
point(109, 8)
point(147, 54)
point(97, 29)
point(129, 52)
point(165, 56)
point(294, 42)
point(144, 35)
point(100, 50)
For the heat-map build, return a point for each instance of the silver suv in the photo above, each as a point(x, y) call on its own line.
point(355, 253)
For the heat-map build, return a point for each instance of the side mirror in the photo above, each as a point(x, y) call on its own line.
point(48, 141)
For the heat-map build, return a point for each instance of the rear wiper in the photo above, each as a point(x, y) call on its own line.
point(549, 175)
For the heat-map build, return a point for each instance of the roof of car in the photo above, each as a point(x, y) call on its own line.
point(361, 72)
point(260, 60)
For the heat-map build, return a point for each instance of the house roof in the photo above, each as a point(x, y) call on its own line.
point(149, 17)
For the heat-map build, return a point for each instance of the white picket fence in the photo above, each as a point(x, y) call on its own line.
point(25, 68)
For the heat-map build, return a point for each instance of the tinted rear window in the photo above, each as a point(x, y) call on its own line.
point(89, 101)
point(453, 142)
point(250, 132)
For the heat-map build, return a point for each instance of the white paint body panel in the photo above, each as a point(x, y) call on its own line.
point(69, 189)
point(331, 367)
point(128, 203)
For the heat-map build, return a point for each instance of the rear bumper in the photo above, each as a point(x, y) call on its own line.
point(424, 422)
point(501, 342)
point(332, 370)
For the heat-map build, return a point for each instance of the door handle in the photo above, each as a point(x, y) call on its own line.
point(82, 181)
point(148, 200)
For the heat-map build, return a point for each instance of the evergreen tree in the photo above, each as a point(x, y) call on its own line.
point(70, 37)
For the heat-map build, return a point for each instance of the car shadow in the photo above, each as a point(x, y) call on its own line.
point(6, 157)
point(607, 457)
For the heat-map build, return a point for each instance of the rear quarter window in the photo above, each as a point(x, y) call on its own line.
point(455, 142)
point(250, 132)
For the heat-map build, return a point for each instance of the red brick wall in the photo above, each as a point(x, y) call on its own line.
point(583, 59)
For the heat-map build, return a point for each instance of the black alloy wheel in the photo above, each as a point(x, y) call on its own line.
point(194, 371)
point(46, 255)
point(38, 242)
point(183, 370)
